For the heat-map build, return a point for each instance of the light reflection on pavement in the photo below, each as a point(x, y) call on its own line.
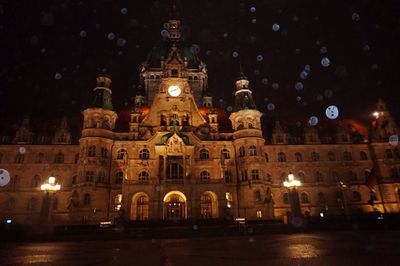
point(336, 248)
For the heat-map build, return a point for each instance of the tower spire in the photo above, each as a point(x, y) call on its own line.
point(103, 93)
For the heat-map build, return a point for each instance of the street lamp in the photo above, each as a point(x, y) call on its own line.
point(51, 187)
point(291, 184)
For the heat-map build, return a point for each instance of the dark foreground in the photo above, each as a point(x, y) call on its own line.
point(321, 248)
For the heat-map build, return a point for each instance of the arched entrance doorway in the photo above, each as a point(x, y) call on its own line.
point(175, 207)
point(140, 207)
point(209, 205)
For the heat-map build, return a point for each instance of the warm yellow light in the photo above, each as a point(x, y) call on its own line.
point(51, 185)
point(291, 182)
point(174, 91)
point(376, 114)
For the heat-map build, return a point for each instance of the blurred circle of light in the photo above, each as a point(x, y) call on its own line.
point(275, 85)
point(166, 25)
point(271, 107)
point(229, 108)
point(328, 93)
point(121, 42)
point(83, 34)
point(299, 86)
point(254, 21)
point(303, 75)
point(264, 81)
point(394, 140)
point(366, 48)
point(313, 120)
point(164, 33)
point(252, 9)
point(298, 98)
point(235, 54)
point(307, 68)
point(260, 58)
point(332, 112)
point(320, 97)
point(58, 76)
point(21, 150)
point(195, 49)
point(323, 50)
point(124, 11)
point(275, 27)
point(111, 36)
point(266, 99)
point(298, 124)
point(256, 72)
point(4, 177)
point(374, 66)
point(325, 62)
point(355, 17)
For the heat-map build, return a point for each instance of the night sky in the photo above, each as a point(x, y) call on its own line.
point(52, 51)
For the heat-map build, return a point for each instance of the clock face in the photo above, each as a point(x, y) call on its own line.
point(174, 91)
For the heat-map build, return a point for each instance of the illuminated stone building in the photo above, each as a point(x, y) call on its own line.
point(177, 157)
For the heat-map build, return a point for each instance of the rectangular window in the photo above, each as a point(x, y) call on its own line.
point(259, 214)
point(89, 176)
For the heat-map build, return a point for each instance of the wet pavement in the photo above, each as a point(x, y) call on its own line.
point(333, 248)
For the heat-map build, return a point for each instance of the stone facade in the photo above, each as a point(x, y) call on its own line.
point(176, 161)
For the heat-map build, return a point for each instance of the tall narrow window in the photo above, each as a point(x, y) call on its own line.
point(144, 154)
point(257, 196)
point(298, 156)
point(121, 154)
point(204, 175)
point(281, 157)
point(363, 156)
point(86, 199)
point(304, 198)
point(255, 174)
point(228, 176)
point(89, 176)
point(331, 156)
point(225, 154)
point(319, 177)
point(204, 154)
point(314, 157)
point(241, 152)
point(39, 158)
point(243, 174)
point(104, 152)
point(36, 181)
point(119, 177)
point(59, 158)
point(252, 150)
point(143, 176)
point(347, 156)
point(92, 151)
point(19, 158)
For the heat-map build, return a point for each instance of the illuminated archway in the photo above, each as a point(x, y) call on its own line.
point(175, 206)
point(209, 205)
point(140, 206)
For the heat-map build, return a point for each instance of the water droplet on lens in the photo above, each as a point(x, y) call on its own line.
point(275, 27)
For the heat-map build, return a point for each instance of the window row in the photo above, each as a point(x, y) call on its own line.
point(40, 158)
point(315, 157)
point(144, 154)
point(321, 199)
point(318, 177)
point(204, 154)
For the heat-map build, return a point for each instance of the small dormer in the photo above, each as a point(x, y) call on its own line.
point(62, 134)
point(311, 135)
point(279, 136)
point(24, 134)
point(342, 134)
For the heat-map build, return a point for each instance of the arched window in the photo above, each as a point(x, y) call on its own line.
point(204, 175)
point(298, 157)
point(228, 176)
point(281, 157)
point(39, 158)
point(225, 154)
point(255, 174)
point(356, 196)
point(104, 152)
point(86, 199)
point(302, 177)
point(257, 196)
point(204, 154)
point(59, 158)
point(242, 153)
point(347, 156)
point(335, 177)
point(101, 178)
point(363, 156)
point(285, 198)
point(121, 154)
point(143, 176)
point(10, 204)
point(266, 157)
point(36, 181)
point(319, 177)
point(92, 151)
point(321, 198)
point(76, 158)
point(206, 206)
point(331, 156)
point(144, 154)
point(117, 202)
point(314, 157)
point(388, 154)
point(229, 199)
point(19, 158)
point(89, 176)
point(352, 176)
point(304, 198)
point(119, 177)
point(32, 204)
point(252, 150)
point(142, 208)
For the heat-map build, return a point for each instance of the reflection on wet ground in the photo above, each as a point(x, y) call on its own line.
point(337, 248)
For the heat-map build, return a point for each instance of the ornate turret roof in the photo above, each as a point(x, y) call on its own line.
point(102, 98)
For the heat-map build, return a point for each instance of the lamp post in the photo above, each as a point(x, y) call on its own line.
point(291, 184)
point(50, 188)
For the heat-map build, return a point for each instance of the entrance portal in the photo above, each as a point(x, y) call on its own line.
point(174, 206)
